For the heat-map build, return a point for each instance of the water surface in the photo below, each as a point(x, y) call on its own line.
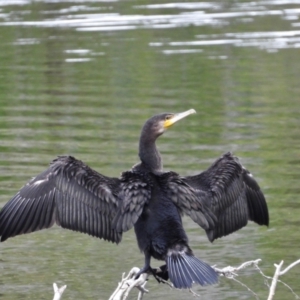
point(81, 77)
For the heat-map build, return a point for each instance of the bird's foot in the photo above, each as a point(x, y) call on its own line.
point(160, 274)
point(145, 269)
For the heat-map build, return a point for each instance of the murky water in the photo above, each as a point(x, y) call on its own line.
point(81, 77)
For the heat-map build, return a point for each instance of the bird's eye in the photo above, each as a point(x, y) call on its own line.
point(168, 117)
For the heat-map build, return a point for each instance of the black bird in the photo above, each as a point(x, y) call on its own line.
point(221, 200)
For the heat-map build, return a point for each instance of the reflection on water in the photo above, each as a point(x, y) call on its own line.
point(270, 41)
point(186, 14)
point(81, 77)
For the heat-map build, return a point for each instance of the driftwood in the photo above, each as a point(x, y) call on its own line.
point(129, 282)
point(278, 273)
point(58, 291)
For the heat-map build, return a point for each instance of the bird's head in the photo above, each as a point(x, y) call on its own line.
point(158, 124)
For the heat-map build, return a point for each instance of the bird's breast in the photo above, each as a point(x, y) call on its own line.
point(159, 226)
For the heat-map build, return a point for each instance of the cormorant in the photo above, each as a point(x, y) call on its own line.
point(221, 200)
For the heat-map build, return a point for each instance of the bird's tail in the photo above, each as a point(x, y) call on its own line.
point(184, 269)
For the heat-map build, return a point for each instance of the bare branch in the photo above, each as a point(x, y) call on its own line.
point(289, 267)
point(245, 286)
point(230, 272)
point(58, 291)
point(275, 279)
point(128, 283)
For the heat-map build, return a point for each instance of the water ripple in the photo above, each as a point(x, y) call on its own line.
point(190, 14)
point(115, 21)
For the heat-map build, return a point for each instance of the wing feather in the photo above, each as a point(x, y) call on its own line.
point(135, 194)
point(68, 193)
point(226, 195)
point(188, 200)
point(258, 209)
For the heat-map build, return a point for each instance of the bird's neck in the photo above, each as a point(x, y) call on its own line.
point(149, 155)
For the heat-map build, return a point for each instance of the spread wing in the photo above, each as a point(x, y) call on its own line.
point(188, 200)
point(228, 196)
point(135, 193)
point(68, 193)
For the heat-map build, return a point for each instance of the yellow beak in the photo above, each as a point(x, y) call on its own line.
point(178, 117)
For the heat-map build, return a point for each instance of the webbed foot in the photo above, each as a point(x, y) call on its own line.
point(161, 274)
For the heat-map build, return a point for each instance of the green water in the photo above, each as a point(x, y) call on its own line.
point(81, 77)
